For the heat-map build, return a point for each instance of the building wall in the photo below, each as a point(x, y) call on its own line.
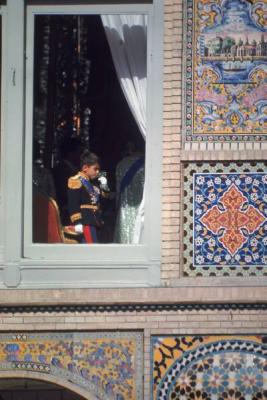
point(172, 141)
point(183, 306)
point(157, 323)
point(213, 153)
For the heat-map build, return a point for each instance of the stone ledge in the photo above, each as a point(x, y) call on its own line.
point(134, 296)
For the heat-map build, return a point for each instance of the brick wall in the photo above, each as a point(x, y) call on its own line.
point(171, 140)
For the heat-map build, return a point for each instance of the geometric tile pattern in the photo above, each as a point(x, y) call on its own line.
point(108, 365)
point(225, 70)
point(228, 215)
point(231, 216)
point(209, 367)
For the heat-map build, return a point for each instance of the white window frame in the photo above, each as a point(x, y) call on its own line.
point(2, 91)
point(34, 265)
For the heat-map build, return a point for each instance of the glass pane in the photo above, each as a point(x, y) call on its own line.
point(0, 69)
point(1, 77)
point(1, 208)
point(89, 127)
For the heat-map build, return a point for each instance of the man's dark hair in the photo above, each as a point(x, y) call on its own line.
point(88, 158)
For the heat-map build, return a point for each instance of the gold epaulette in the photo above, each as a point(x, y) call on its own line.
point(74, 182)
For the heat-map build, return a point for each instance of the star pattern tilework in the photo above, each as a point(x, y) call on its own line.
point(209, 367)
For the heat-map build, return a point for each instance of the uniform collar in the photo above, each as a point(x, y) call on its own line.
point(83, 175)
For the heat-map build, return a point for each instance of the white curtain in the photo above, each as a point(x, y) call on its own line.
point(127, 38)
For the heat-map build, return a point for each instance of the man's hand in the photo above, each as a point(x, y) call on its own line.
point(103, 183)
point(78, 228)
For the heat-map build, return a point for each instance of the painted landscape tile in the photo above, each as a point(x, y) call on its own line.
point(225, 70)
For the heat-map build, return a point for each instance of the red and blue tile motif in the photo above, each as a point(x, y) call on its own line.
point(230, 219)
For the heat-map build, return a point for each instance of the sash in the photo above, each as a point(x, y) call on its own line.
point(89, 187)
point(128, 177)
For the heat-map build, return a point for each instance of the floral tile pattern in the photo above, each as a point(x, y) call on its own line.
point(229, 226)
point(225, 70)
point(108, 365)
point(209, 367)
point(227, 210)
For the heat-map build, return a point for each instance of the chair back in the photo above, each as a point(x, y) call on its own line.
point(46, 220)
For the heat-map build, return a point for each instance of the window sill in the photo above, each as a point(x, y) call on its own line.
point(90, 254)
point(60, 274)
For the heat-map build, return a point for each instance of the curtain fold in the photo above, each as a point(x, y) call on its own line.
point(127, 38)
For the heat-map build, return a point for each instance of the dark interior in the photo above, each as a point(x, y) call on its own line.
point(31, 389)
point(111, 123)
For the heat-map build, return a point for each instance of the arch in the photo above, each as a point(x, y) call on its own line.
point(48, 379)
point(54, 354)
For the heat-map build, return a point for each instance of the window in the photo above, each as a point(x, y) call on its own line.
point(89, 93)
point(33, 262)
point(2, 91)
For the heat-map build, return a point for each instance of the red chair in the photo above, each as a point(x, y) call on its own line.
point(47, 226)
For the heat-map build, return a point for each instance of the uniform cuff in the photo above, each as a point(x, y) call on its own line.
point(76, 217)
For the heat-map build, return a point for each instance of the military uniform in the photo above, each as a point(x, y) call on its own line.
point(84, 205)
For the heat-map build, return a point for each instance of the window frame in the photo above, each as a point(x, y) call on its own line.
point(57, 265)
point(2, 130)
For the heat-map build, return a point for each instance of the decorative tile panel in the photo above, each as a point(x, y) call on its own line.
point(225, 219)
point(225, 73)
point(209, 367)
point(108, 365)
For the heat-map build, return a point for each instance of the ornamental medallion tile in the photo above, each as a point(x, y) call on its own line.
point(227, 212)
point(225, 70)
point(209, 367)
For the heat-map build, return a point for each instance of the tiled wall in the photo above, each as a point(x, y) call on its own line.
point(209, 367)
point(149, 324)
point(177, 151)
point(105, 364)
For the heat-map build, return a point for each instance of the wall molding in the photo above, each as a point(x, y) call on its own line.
point(132, 308)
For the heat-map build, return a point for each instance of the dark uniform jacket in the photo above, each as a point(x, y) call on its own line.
point(61, 173)
point(84, 201)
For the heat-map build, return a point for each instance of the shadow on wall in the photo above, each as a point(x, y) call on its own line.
point(28, 385)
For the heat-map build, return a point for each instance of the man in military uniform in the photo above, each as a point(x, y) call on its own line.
point(68, 166)
point(84, 198)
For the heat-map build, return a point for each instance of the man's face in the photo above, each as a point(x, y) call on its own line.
point(91, 171)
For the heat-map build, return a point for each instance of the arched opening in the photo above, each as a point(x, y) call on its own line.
point(31, 389)
point(28, 385)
